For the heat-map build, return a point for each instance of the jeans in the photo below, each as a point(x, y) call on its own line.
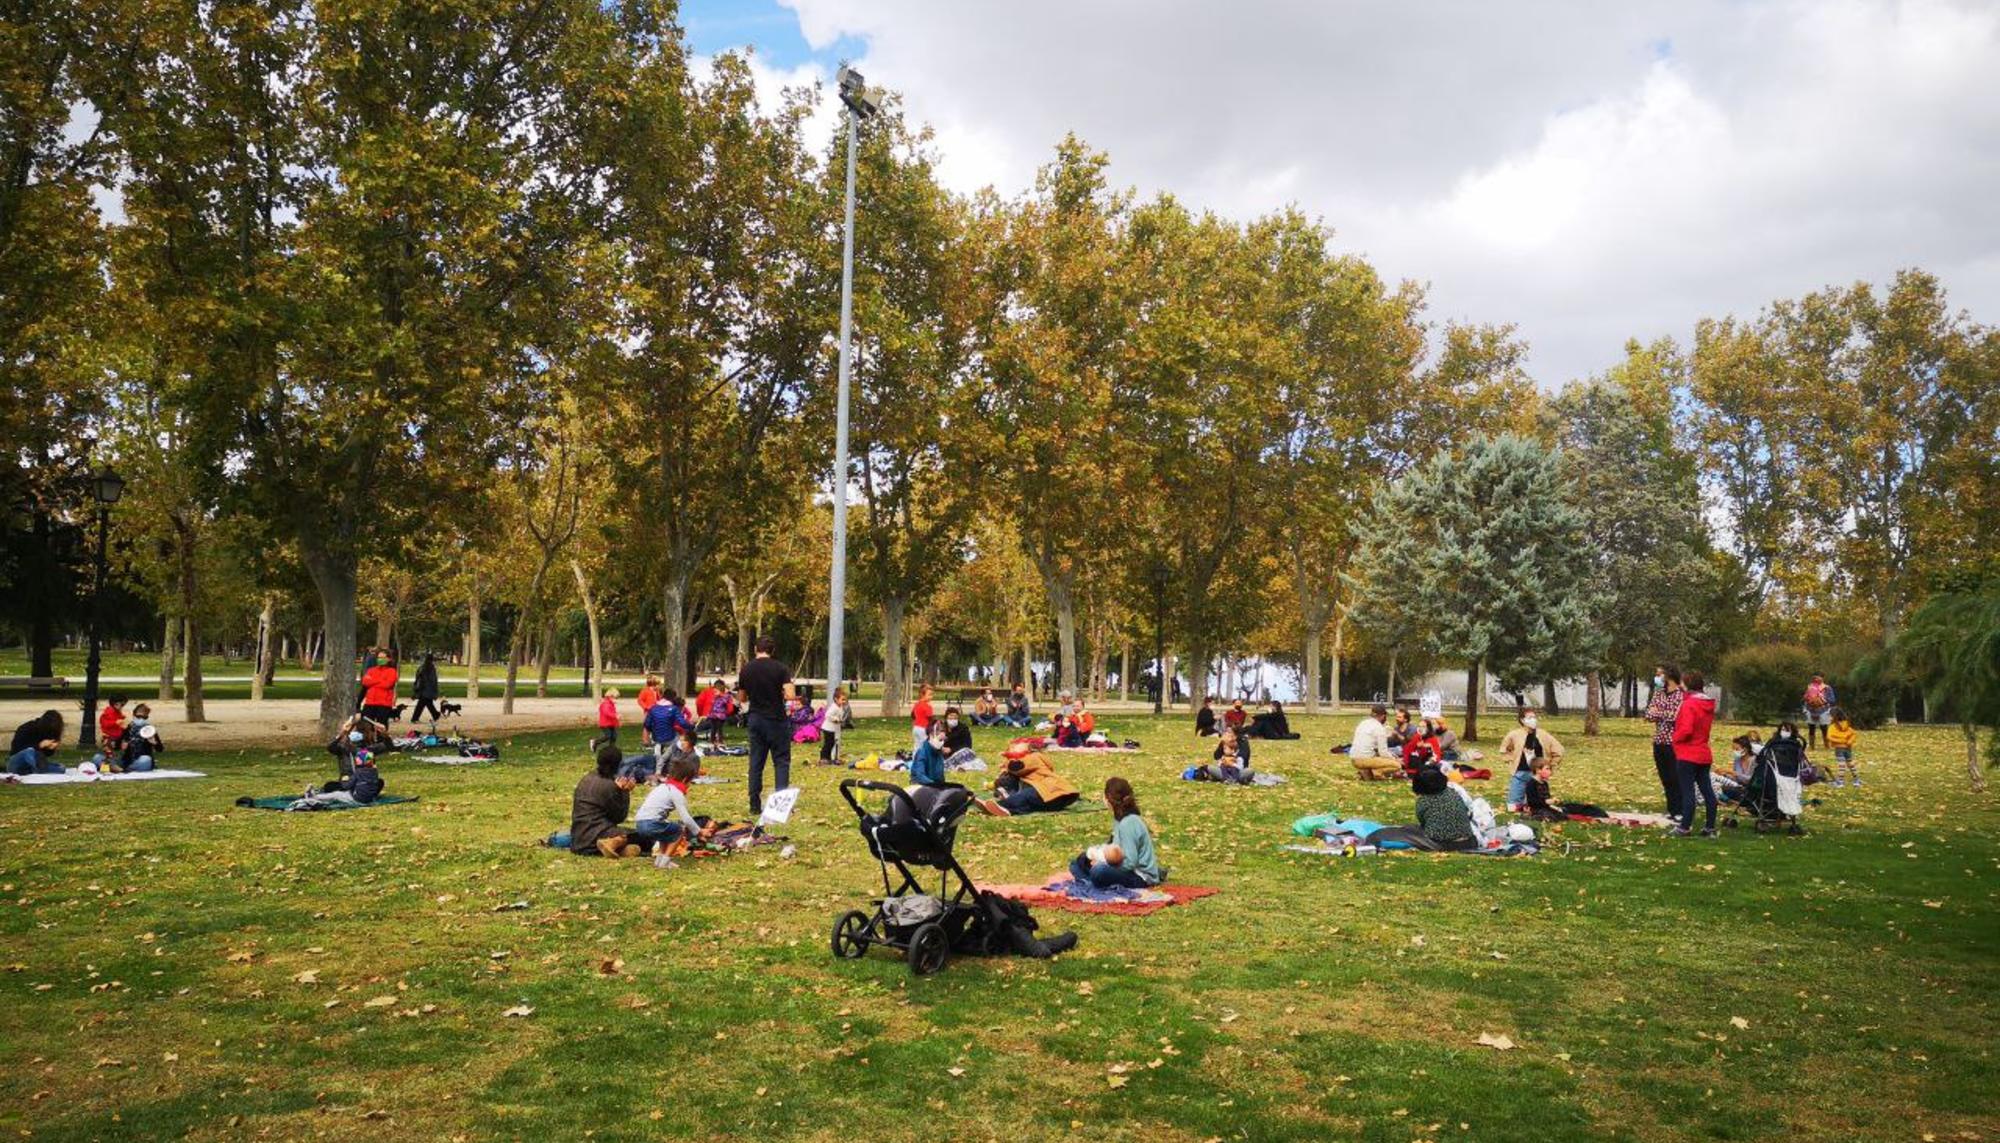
point(607, 736)
point(829, 745)
point(1017, 721)
point(986, 720)
point(1024, 800)
point(1670, 778)
point(1517, 787)
point(23, 767)
point(141, 764)
point(1693, 778)
point(917, 736)
point(1105, 876)
point(654, 831)
point(770, 738)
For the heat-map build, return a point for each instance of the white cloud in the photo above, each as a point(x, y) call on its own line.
point(1589, 171)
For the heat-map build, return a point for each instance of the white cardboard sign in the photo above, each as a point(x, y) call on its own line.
point(778, 807)
point(1431, 705)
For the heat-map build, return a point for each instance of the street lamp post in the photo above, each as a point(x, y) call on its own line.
point(107, 486)
point(861, 104)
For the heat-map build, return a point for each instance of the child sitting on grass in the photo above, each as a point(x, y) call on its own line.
point(1841, 736)
point(1128, 860)
point(664, 818)
point(1543, 810)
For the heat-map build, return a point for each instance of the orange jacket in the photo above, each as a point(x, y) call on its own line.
point(1035, 770)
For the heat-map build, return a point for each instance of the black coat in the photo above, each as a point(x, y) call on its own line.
point(426, 686)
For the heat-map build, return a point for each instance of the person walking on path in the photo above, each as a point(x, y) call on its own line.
point(1661, 711)
point(1818, 703)
point(766, 685)
point(426, 690)
point(1691, 754)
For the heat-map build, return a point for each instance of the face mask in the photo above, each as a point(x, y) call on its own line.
point(951, 722)
point(1530, 723)
point(937, 740)
point(1784, 734)
point(354, 736)
point(1659, 681)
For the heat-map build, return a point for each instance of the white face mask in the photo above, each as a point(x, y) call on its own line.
point(1530, 722)
point(937, 740)
point(952, 722)
point(1784, 734)
point(1659, 680)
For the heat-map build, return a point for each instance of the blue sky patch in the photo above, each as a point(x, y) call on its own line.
point(715, 26)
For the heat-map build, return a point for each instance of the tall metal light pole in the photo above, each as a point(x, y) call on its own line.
point(106, 487)
point(860, 105)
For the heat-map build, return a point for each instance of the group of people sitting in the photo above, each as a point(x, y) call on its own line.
point(124, 742)
point(989, 711)
point(1269, 724)
point(1381, 750)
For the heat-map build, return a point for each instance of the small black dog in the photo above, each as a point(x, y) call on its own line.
point(448, 709)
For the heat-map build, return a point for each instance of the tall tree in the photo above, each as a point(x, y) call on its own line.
point(1497, 576)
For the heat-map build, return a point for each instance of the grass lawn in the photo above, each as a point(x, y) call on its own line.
point(178, 967)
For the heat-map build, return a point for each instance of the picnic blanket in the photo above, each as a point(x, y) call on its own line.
point(1510, 849)
point(1629, 818)
point(1061, 891)
point(1257, 778)
point(445, 759)
point(68, 776)
point(296, 802)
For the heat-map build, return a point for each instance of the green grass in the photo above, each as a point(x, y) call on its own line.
point(154, 939)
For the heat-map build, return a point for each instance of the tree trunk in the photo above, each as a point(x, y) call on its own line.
point(192, 687)
point(1472, 690)
point(1125, 670)
point(385, 623)
point(170, 639)
point(257, 676)
point(1061, 588)
point(675, 633)
point(892, 656)
point(472, 622)
point(1200, 662)
point(1972, 756)
point(544, 659)
point(1333, 668)
point(596, 641)
point(1392, 677)
point(1593, 705)
point(1310, 683)
point(335, 578)
point(1549, 704)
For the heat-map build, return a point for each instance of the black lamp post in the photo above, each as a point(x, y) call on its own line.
point(107, 486)
point(1161, 574)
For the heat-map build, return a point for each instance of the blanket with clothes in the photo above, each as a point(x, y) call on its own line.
point(1232, 776)
point(69, 776)
point(1096, 745)
point(446, 759)
point(334, 801)
point(1345, 848)
point(1061, 891)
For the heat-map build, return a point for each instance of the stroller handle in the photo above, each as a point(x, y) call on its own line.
point(895, 792)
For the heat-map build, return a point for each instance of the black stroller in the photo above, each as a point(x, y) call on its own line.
point(1774, 782)
point(917, 827)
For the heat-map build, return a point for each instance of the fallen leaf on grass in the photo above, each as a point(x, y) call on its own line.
point(519, 1010)
point(1500, 1042)
point(611, 966)
point(1117, 1081)
point(309, 976)
point(954, 1072)
point(1738, 1022)
point(379, 1002)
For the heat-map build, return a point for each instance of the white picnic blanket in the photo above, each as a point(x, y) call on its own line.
point(68, 776)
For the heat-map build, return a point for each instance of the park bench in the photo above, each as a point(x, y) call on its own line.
point(56, 682)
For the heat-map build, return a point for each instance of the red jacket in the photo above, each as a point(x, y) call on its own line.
point(647, 697)
point(1691, 727)
point(110, 725)
point(920, 714)
point(381, 684)
point(607, 714)
point(703, 701)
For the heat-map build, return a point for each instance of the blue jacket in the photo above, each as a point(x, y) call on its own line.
point(664, 719)
point(927, 765)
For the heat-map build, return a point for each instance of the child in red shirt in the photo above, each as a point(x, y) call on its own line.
point(607, 720)
point(920, 718)
point(111, 724)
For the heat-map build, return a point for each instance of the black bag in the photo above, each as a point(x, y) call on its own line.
point(1003, 926)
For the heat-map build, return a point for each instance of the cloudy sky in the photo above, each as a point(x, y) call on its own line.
point(1587, 171)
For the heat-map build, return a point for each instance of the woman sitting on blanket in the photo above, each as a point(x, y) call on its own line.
point(1444, 818)
point(1127, 861)
point(1421, 749)
point(1028, 784)
point(1232, 758)
point(1731, 787)
point(958, 741)
point(1543, 810)
point(1066, 732)
point(143, 748)
point(35, 758)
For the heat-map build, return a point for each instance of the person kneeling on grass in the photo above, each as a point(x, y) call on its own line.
point(1028, 784)
point(1127, 861)
point(598, 808)
point(927, 764)
point(664, 818)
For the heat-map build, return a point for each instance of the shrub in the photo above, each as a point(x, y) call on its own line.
point(1764, 682)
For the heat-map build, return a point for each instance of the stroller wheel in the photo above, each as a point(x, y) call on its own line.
point(1729, 822)
point(929, 949)
point(850, 934)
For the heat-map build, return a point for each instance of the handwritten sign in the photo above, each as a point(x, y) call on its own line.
point(778, 807)
point(1431, 705)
